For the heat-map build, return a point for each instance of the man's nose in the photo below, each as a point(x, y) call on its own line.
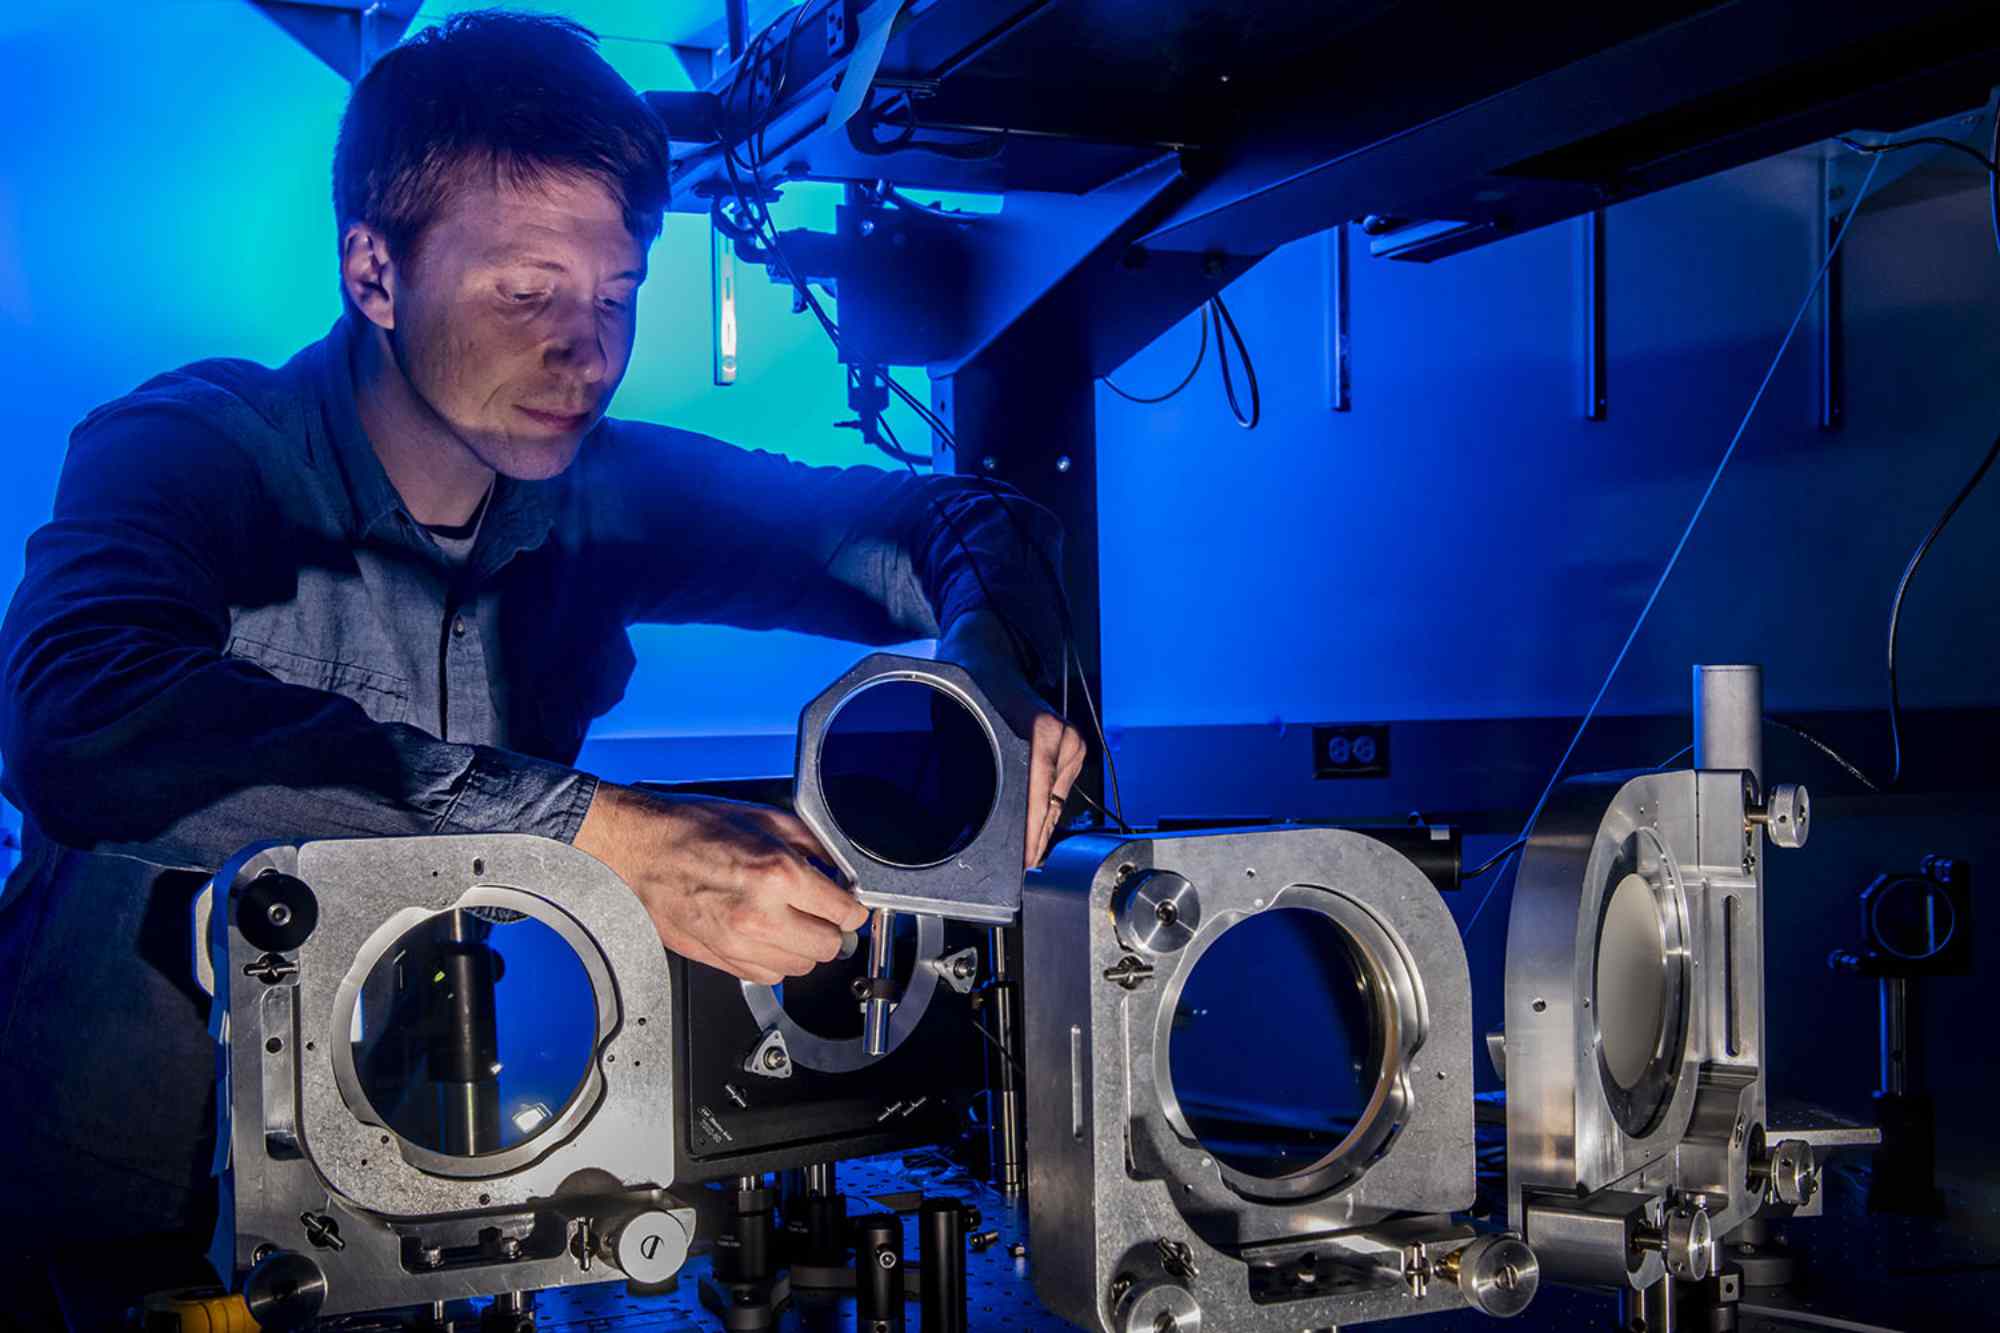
point(576, 345)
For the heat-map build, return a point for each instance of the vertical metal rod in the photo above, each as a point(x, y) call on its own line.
point(1729, 718)
point(1831, 387)
point(1338, 396)
point(881, 962)
point(820, 1180)
point(1590, 266)
point(722, 307)
point(736, 15)
point(1895, 1004)
point(1009, 1147)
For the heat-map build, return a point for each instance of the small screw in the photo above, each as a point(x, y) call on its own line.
point(989, 463)
point(278, 914)
point(774, 1058)
point(1063, 463)
point(867, 226)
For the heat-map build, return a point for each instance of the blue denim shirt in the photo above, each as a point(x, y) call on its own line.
point(232, 629)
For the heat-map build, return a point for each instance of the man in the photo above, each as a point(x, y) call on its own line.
point(384, 589)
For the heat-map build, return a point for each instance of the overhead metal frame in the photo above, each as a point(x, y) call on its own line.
point(349, 35)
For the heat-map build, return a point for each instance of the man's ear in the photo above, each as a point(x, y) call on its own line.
point(368, 275)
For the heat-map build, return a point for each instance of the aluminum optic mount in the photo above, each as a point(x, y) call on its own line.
point(1634, 1043)
point(1156, 1233)
point(982, 882)
point(327, 1210)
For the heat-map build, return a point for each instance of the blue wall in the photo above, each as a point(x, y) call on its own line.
point(1462, 544)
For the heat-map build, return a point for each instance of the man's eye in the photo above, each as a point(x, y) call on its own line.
point(612, 303)
point(524, 298)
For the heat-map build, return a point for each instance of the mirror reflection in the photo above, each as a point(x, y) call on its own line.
point(474, 1031)
point(1287, 970)
point(908, 772)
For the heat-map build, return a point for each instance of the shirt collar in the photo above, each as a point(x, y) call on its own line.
point(518, 518)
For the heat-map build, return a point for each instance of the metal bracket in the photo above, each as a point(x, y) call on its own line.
point(770, 1058)
point(349, 35)
point(1590, 271)
point(960, 971)
point(1338, 384)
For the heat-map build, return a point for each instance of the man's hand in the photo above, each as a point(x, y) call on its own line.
point(1056, 750)
point(727, 884)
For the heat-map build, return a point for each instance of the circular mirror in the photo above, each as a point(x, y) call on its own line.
point(909, 773)
point(1913, 918)
point(1632, 980)
point(1277, 1045)
point(474, 1030)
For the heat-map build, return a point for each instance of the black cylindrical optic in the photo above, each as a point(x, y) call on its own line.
point(465, 1044)
point(743, 1249)
point(878, 1273)
point(941, 1241)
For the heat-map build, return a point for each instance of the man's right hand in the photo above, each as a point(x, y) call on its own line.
point(727, 884)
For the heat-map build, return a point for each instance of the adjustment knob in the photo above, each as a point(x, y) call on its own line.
point(1788, 815)
point(650, 1248)
point(1498, 1274)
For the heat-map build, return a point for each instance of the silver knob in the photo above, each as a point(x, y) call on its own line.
point(1690, 1246)
point(1793, 1174)
point(1158, 1306)
point(1786, 815)
point(649, 1248)
point(1498, 1274)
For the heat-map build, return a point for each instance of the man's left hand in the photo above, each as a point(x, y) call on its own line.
point(1056, 750)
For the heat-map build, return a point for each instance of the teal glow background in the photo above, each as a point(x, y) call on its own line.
point(164, 197)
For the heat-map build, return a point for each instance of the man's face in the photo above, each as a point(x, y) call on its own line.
point(513, 321)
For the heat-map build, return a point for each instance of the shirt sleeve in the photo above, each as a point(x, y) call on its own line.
point(126, 728)
point(697, 531)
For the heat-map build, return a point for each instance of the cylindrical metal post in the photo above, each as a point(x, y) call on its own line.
point(1649, 1311)
point(820, 1180)
point(878, 1273)
point(1895, 1003)
point(941, 1241)
point(465, 1043)
point(1729, 718)
point(743, 1249)
point(1009, 1149)
point(881, 964)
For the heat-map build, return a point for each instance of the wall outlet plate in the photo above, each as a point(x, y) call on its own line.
point(1351, 750)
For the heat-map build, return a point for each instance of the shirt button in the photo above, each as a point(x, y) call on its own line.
point(458, 627)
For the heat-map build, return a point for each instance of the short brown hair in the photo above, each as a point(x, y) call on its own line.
point(526, 96)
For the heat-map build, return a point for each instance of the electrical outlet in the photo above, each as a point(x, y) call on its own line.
point(1352, 750)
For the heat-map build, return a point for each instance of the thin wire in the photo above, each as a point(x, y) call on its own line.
point(1224, 320)
point(1926, 141)
point(1903, 586)
point(1200, 356)
point(1495, 859)
point(1687, 532)
point(1823, 748)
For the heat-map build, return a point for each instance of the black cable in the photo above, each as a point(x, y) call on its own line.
point(1925, 141)
point(1494, 859)
point(1215, 311)
point(1903, 587)
point(1200, 356)
point(1227, 321)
